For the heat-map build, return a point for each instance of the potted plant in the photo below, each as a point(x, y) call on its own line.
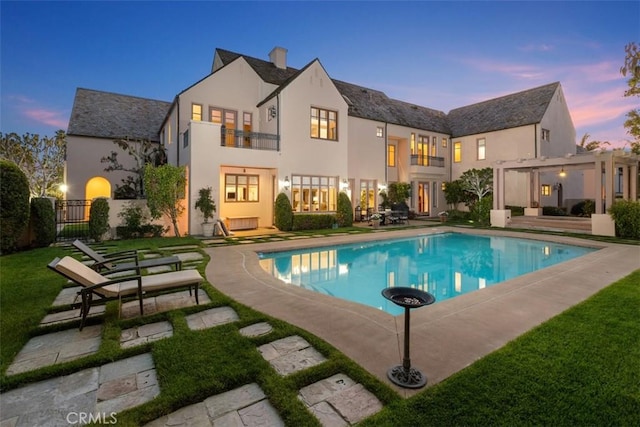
point(207, 206)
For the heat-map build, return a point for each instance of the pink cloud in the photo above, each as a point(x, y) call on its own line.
point(537, 48)
point(47, 117)
point(521, 71)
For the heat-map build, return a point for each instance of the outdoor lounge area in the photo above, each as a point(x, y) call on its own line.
point(248, 326)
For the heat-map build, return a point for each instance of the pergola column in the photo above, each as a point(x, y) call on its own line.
point(610, 191)
point(598, 185)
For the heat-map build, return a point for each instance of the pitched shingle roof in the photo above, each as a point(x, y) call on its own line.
point(110, 115)
point(514, 110)
point(363, 102)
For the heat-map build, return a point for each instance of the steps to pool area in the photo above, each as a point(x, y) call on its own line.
point(552, 223)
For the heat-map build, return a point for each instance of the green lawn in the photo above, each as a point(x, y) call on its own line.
point(580, 368)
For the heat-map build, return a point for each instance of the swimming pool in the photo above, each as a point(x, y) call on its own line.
point(446, 265)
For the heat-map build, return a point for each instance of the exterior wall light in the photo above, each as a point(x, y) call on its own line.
point(287, 184)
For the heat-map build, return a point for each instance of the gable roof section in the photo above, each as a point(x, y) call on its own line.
point(363, 102)
point(510, 111)
point(110, 115)
point(265, 69)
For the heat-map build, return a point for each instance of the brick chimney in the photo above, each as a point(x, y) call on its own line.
point(278, 57)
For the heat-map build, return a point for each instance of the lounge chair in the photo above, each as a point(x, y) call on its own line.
point(94, 283)
point(113, 262)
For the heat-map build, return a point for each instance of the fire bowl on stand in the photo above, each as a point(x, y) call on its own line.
point(404, 375)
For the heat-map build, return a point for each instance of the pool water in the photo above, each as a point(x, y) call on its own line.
point(446, 265)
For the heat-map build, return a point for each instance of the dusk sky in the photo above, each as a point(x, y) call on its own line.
point(440, 55)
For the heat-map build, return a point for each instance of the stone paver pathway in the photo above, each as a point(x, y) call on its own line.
point(246, 406)
point(256, 330)
point(55, 348)
point(61, 401)
point(144, 334)
point(339, 401)
point(212, 317)
point(291, 354)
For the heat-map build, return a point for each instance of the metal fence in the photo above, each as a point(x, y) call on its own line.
point(72, 219)
point(251, 140)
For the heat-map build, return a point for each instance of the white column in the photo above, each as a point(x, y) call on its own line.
point(610, 191)
point(598, 185)
point(633, 182)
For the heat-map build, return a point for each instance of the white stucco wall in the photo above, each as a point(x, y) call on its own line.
point(557, 119)
point(83, 163)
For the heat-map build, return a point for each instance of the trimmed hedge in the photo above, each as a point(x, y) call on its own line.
point(284, 213)
point(344, 215)
point(626, 214)
point(98, 219)
point(313, 221)
point(43, 220)
point(14, 205)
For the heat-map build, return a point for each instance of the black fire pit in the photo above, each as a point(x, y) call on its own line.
point(404, 375)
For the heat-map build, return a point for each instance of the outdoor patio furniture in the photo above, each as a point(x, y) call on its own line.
point(94, 283)
point(112, 262)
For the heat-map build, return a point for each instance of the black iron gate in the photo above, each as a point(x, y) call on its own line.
point(72, 219)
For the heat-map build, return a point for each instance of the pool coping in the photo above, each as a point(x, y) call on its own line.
point(442, 341)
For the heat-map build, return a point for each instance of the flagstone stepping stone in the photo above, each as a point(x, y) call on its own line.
point(190, 256)
point(256, 330)
point(212, 317)
point(290, 354)
point(339, 401)
point(162, 303)
point(179, 248)
point(69, 315)
point(146, 333)
point(243, 406)
point(67, 296)
point(55, 348)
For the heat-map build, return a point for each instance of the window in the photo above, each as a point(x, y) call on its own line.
point(185, 139)
point(482, 148)
point(324, 124)
point(546, 135)
point(457, 152)
point(546, 190)
point(379, 132)
point(196, 112)
point(434, 146)
point(314, 193)
point(391, 155)
point(444, 142)
point(241, 188)
point(247, 120)
point(215, 115)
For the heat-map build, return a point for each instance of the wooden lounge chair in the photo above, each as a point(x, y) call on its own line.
point(94, 283)
point(114, 261)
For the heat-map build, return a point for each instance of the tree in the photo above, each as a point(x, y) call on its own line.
point(143, 152)
point(14, 205)
point(631, 68)
point(478, 182)
point(41, 159)
point(454, 194)
point(165, 191)
point(591, 145)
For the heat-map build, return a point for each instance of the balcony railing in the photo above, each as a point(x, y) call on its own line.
point(417, 159)
point(251, 140)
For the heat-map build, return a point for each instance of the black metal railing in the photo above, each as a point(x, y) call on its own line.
point(251, 140)
point(419, 160)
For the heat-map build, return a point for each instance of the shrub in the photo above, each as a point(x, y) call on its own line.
point(626, 214)
point(583, 208)
point(98, 219)
point(313, 221)
point(14, 205)
point(43, 218)
point(515, 210)
point(284, 213)
point(134, 219)
point(553, 211)
point(481, 210)
point(344, 215)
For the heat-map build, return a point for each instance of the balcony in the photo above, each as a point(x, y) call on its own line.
point(251, 140)
point(421, 160)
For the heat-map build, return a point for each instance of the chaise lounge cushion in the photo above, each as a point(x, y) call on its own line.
point(85, 276)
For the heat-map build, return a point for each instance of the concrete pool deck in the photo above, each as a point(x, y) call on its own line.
point(445, 337)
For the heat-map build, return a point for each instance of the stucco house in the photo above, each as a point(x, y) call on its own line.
point(253, 128)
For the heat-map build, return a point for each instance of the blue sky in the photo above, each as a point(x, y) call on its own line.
point(441, 55)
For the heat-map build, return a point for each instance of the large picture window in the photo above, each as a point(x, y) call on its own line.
point(324, 124)
point(241, 188)
point(314, 193)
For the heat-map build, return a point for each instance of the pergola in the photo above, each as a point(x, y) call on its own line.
point(605, 161)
